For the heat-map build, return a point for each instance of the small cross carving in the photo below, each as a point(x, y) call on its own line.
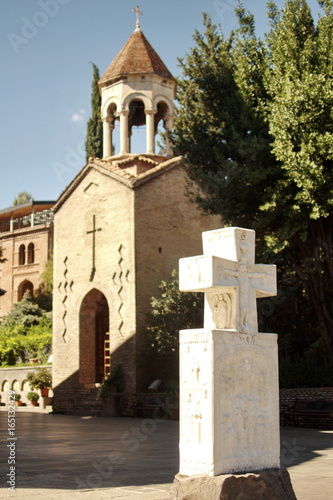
point(93, 232)
point(230, 279)
point(137, 12)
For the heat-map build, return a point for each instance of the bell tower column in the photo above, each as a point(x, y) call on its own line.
point(107, 138)
point(124, 142)
point(150, 131)
point(168, 125)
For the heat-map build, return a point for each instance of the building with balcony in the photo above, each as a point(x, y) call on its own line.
point(26, 240)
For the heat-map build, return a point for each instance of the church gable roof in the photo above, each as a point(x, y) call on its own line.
point(131, 171)
point(146, 168)
point(137, 57)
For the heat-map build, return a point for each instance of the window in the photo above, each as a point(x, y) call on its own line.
point(31, 253)
point(22, 255)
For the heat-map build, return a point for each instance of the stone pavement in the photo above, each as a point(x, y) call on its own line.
point(62, 457)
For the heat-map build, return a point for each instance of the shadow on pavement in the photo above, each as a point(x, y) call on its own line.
point(78, 453)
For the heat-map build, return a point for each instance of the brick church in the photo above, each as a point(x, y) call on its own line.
point(120, 228)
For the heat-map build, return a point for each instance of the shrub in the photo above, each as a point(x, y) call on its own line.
point(114, 381)
point(21, 342)
point(33, 396)
point(24, 313)
point(172, 311)
point(40, 379)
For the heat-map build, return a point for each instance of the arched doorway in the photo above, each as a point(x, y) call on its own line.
point(25, 286)
point(94, 336)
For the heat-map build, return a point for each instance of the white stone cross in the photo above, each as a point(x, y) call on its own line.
point(230, 279)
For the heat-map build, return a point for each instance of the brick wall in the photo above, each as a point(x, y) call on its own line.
point(289, 396)
point(12, 274)
point(167, 227)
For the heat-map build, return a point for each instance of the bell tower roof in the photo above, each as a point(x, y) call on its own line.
point(137, 57)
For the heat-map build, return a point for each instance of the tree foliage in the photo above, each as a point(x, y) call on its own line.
point(94, 139)
point(254, 122)
point(22, 197)
point(19, 343)
point(40, 379)
point(25, 313)
point(44, 292)
point(171, 312)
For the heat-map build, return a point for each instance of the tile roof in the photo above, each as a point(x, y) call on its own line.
point(119, 169)
point(137, 57)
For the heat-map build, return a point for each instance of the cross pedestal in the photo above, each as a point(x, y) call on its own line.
point(229, 407)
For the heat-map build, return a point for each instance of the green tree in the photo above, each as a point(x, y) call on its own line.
point(254, 122)
point(221, 133)
point(25, 313)
point(94, 139)
point(300, 86)
point(47, 275)
point(26, 332)
point(170, 312)
point(44, 292)
point(22, 197)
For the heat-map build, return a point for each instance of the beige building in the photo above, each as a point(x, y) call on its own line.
point(26, 239)
point(120, 228)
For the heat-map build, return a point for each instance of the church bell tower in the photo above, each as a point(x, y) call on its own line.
point(136, 89)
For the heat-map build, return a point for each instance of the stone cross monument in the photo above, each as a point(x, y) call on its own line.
point(229, 392)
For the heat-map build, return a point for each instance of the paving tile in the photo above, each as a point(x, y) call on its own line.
point(69, 457)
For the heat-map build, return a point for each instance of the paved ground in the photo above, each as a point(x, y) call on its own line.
point(69, 457)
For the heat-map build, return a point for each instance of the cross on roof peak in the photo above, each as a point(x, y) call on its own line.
point(137, 12)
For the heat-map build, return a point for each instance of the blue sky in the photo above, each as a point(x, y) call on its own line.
point(46, 50)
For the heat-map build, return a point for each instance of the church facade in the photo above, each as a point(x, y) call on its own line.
point(121, 227)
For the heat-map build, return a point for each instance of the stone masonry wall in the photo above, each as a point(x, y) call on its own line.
point(289, 396)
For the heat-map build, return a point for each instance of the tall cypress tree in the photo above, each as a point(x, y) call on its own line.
point(94, 139)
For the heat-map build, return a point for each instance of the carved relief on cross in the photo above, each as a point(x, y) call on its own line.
point(230, 279)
